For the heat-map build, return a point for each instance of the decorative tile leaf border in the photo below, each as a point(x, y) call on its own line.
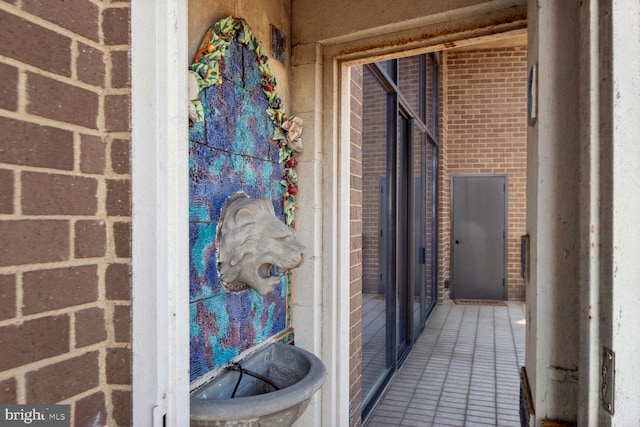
point(205, 72)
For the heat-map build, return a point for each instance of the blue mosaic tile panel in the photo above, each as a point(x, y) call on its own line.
point(232, 67)
point(227, 324)
point(233, 121)
point(230, 152)
point(215, 176)
point(196, 132)
point(236, 120)
point(252, 76)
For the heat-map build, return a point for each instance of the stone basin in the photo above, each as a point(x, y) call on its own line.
point(296, 373)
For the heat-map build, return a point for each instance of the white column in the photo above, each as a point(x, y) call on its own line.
point(553, 212)
point(584, 210)
point(625, 224)
point(591, 225)
point(160, 234)
point(321, 315)
point(308, 284)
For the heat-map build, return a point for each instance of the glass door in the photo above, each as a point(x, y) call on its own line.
point(378, 225)
point(399, 169)
point(405, 227)
point(418, 218)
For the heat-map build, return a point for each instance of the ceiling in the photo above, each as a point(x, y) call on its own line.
point(494, 43)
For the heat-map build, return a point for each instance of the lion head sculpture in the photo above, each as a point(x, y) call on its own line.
point(254, 247)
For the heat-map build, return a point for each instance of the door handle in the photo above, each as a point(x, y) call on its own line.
point(457, 242)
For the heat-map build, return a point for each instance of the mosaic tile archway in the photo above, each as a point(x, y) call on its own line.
point(240, 140)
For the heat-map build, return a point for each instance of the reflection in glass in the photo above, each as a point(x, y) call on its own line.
point(399, 222)
point(402, 284)
point(431, 95)
point(389, 67)
point(409, 82)
point(375, 188)
point(430, 271)
point(418, 218)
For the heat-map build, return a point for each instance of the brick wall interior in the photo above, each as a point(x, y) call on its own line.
point(374, 169)
point(65, 207)
point(444, 231)
point(355, 307)
point(424, 155)
point(484, 132)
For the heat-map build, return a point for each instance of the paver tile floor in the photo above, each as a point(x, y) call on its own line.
point(463, 370)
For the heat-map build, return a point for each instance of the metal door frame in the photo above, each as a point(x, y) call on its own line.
point(505, 293)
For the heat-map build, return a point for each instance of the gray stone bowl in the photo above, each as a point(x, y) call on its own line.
point(297, 373)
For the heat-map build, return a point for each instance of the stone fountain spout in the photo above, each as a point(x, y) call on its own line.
point(254, 247)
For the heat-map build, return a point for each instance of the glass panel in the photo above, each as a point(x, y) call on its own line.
point(430, 270)
point(420, 218)
point(418, 231)
point(389, 67)
point(431, 95)
point(402, 283)
point(375, 209)
point(394, 308)
point(409, 81)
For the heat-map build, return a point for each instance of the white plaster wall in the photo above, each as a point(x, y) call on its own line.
point(590, 224)
point(553, 212)
point(309, 288)
point(625, 128)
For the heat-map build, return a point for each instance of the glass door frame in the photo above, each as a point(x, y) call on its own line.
point(400, 252)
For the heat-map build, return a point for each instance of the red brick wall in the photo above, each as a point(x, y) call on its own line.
point(485, 132)
point(355, 318)
point(374, 133)
point(65, 207)
point(409, 80)
point(444, 229)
